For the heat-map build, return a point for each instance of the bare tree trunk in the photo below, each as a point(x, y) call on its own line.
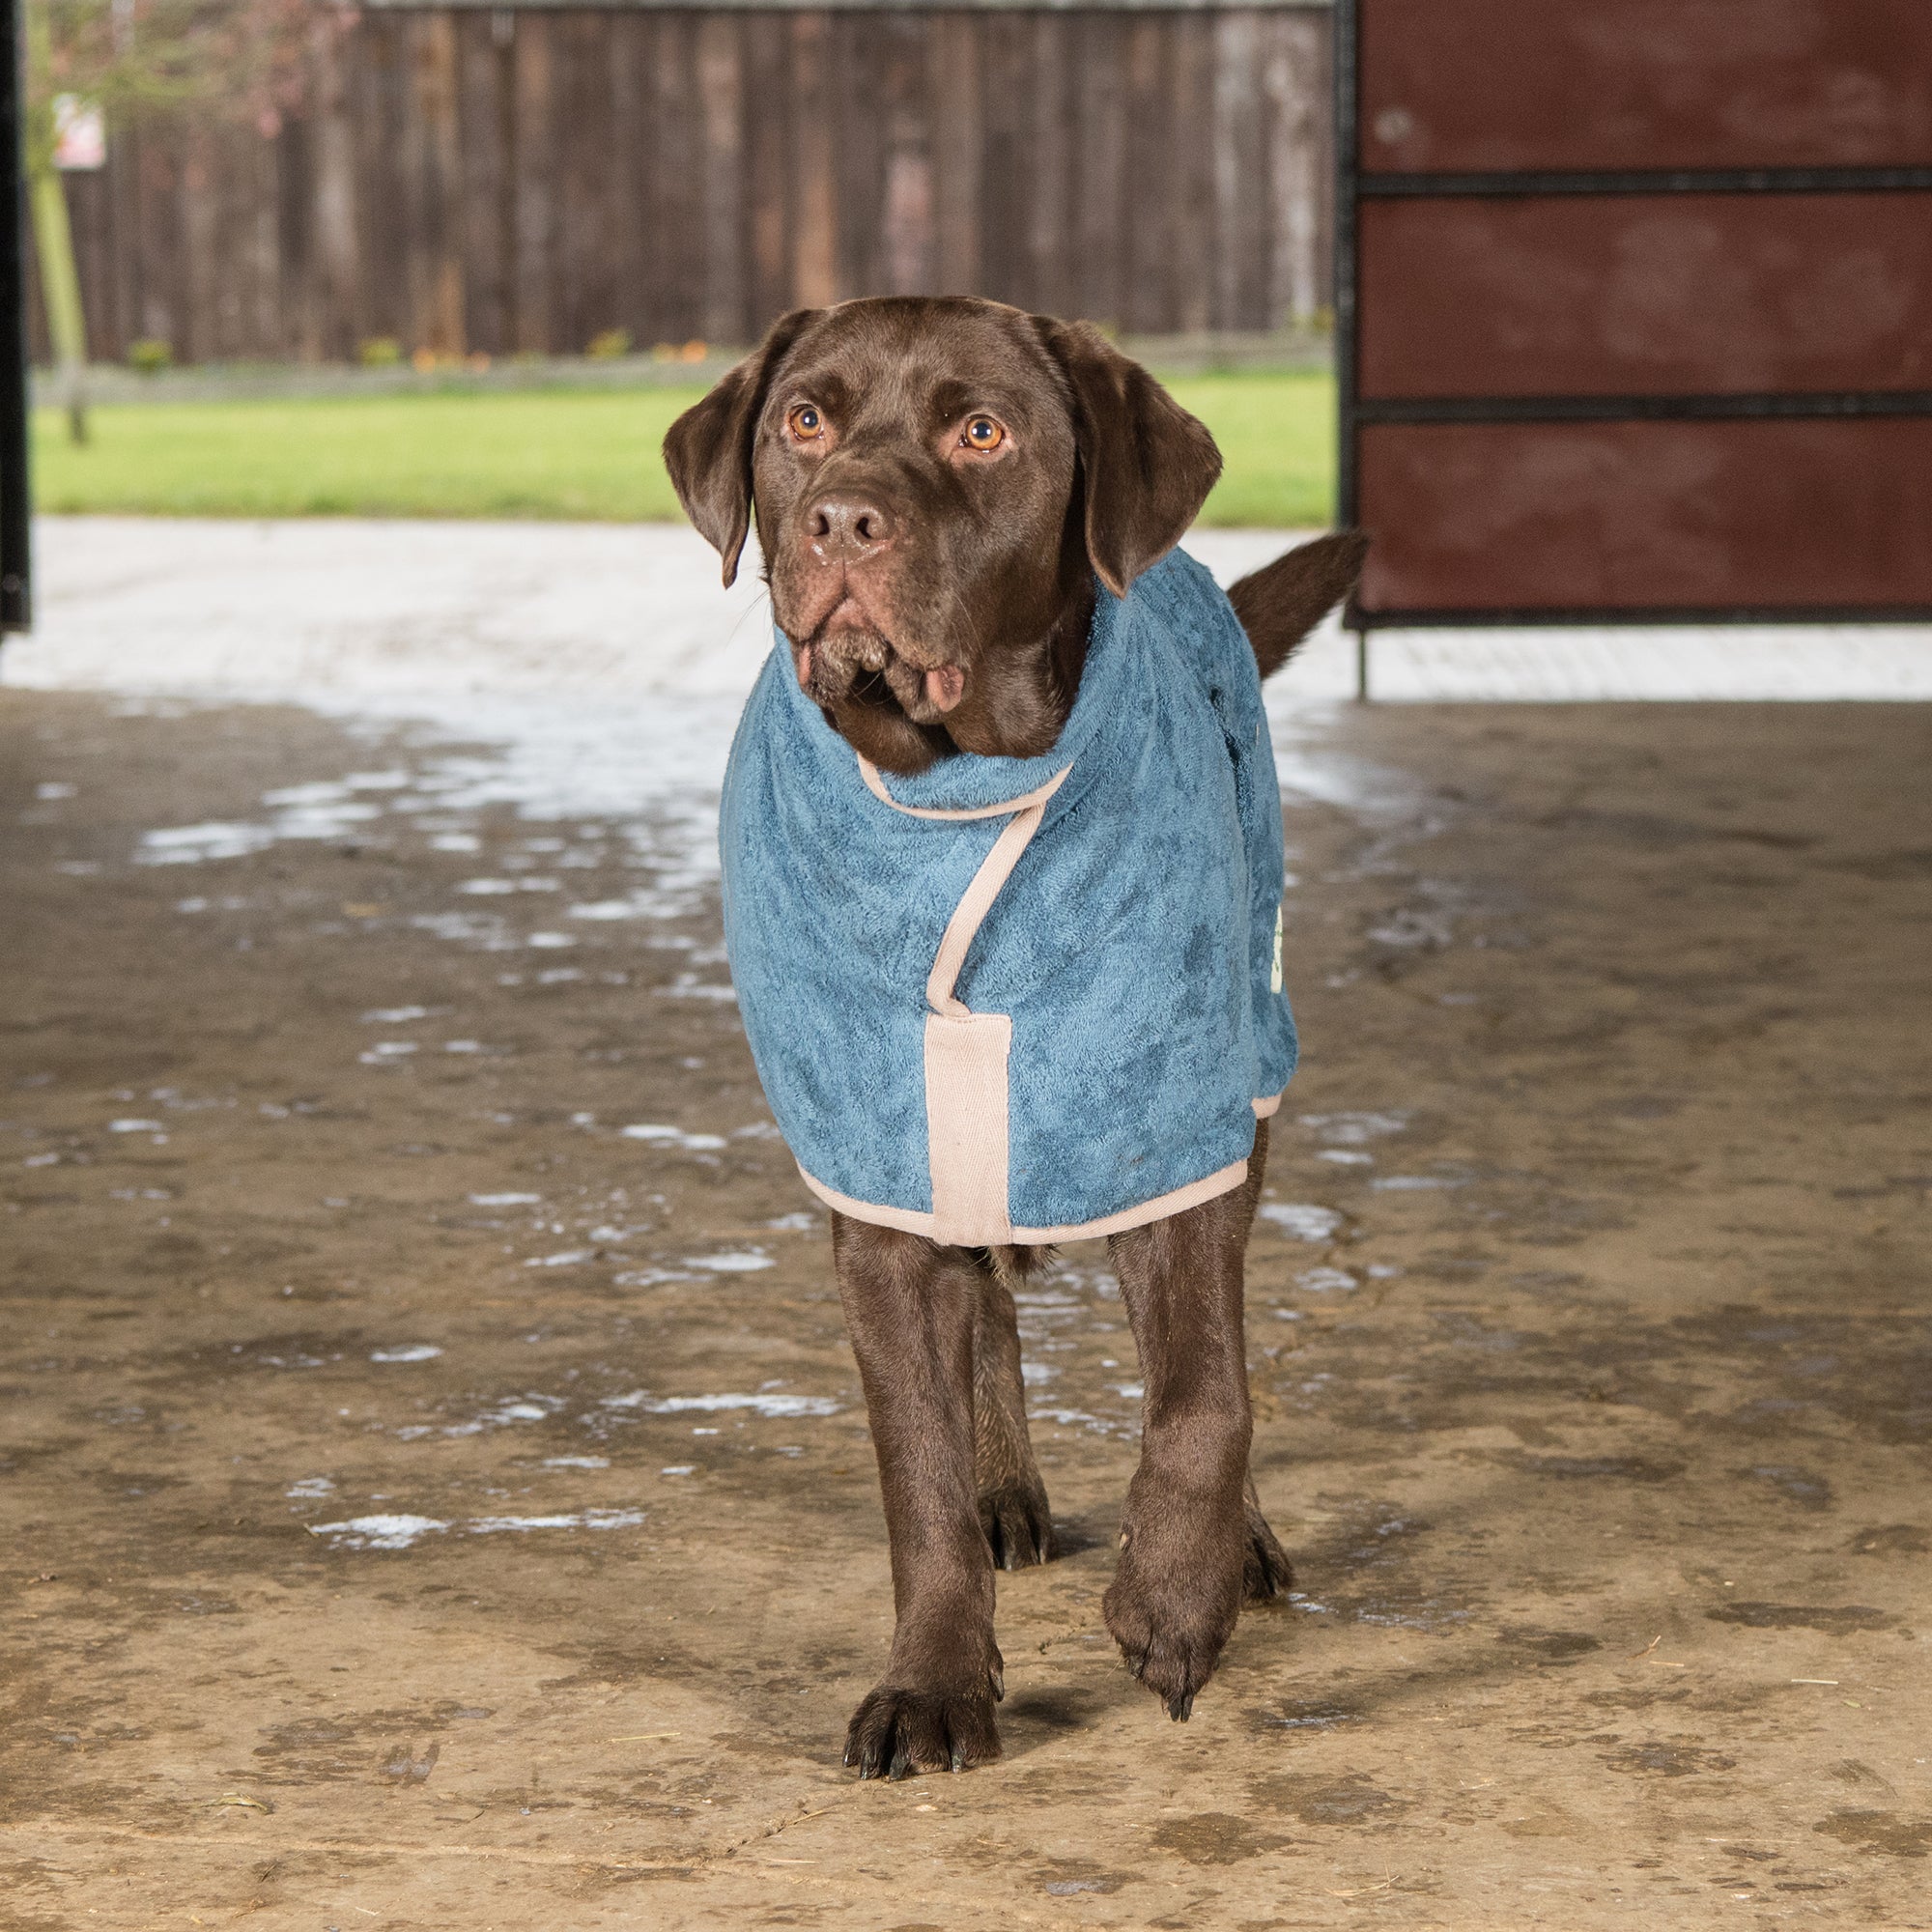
point(60, 286)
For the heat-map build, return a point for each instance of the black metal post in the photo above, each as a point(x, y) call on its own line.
point(16, 577)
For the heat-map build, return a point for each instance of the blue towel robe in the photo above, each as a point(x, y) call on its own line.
point(1021, 1000)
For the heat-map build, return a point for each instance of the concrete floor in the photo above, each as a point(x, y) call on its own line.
point(437, 1493)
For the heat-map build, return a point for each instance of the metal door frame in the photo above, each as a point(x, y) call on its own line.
point(1353, 184)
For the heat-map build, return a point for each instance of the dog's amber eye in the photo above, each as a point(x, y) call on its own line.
point(982, 433)
point(805, 423)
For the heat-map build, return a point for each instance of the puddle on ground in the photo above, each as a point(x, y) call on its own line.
point(1306, 1714)
point(762, 1403)
point(401, 1531)
point(1301, 1221)
point(676, 1137)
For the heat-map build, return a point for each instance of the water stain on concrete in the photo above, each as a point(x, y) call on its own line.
point(1887, 1832)
point(1668, 1760)
point(1837, 1620)
point(1546, 1646)
point(1316, 1798)
point(1215, 1838)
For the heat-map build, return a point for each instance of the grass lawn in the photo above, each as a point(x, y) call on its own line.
point(553, 453)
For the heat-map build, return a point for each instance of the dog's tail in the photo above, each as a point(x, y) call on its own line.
point(1282, 602)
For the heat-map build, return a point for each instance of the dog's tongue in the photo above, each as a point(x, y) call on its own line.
point(945, 686)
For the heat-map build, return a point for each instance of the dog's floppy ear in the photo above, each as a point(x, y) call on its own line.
point(1147, 465)
point(708, 451)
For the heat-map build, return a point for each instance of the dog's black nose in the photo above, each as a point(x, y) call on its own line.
point(847, 520)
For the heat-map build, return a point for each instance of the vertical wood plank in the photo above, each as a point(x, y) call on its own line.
point(571, 195)
point(585, 301)
point(908, 236)
point(258, 323)
point(719, 75)
point(1149, 183)
point(384, 190)
point(1241, 178)
point(297, 311)
point(330, 277)
point(1048, 230)
point(1098, 162)
point(953, 90)
point(1291, 72)
point(721, 79)
point(531, 185)
point(678, 179)
point(123, 210)
point(89, 222)
point(859, 152)
point(436, 253)
point(630, 210)
point(1005, 269)
point(156, 228)
point(1196, 234)
point(814, 253)
point(767, 170)
point(482, 187)
point(1321, 32)
point(200, 317)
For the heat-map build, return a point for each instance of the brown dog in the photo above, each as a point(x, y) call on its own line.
point(937, 485)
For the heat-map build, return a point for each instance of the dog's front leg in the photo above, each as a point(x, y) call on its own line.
point(909, 1309)
point(1193, 1542)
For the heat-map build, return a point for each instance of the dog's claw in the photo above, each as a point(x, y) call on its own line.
point(1017, 1525)
point(898, 1733)
point(1265, 1571)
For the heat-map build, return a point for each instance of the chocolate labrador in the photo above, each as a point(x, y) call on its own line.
point(939, 485)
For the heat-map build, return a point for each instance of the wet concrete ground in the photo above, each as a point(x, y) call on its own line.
point(435, 1486)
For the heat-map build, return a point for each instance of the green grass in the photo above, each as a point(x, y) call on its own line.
point(552, 453)
point(1277, 438)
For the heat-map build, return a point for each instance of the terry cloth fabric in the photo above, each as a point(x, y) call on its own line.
point(1020, 1000)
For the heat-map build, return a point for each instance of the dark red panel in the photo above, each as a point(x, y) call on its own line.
point(1452, 85)
point(1811, 514)
point(1639, 294)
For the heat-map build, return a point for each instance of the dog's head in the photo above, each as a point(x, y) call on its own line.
point(937, 481)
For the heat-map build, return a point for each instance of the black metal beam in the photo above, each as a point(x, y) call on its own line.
point(16, 598)
point(1610, 617)
point(1650, 181)
point(1757, 407)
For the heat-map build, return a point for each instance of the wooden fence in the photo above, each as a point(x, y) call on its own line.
point(525, 179)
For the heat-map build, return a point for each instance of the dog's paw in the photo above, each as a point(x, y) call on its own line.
point(900, 1730)
point(1265, 1571)
point(1014, 1517)
point(1171, 1613)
